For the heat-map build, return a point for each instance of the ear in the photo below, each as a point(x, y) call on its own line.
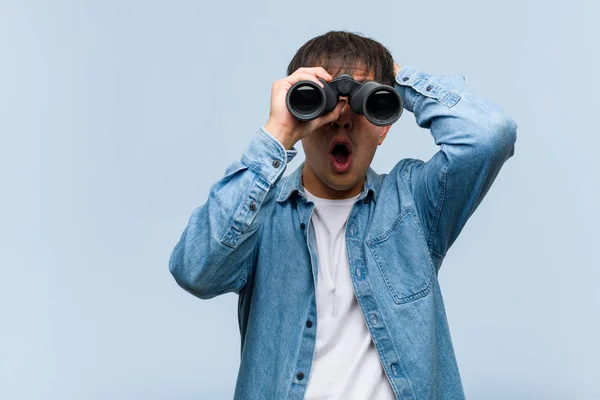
point(383, 134)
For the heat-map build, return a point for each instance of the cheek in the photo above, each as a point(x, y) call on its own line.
point(370, 132)
point(369, 140)
point(315, 141)
point(366, 155)
point(313, 149)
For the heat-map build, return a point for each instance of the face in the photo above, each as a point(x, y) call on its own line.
point(339, 153)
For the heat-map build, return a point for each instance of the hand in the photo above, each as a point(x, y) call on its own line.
point(281, 124)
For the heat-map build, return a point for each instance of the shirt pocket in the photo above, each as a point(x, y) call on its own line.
point(403, 258)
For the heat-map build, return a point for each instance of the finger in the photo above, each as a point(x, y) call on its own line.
point(319, 72)
point(297, 76)
point(300, 76)
point(332, 115)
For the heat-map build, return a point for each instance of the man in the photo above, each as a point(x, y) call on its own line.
point(335, 265)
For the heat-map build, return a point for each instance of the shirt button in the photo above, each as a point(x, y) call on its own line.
point(252, 206)
point(300, 376)
point(428, 88)
point(366, 201)
point(302, 226)
point(309, 324)
point(404, 79)
point(276, 163)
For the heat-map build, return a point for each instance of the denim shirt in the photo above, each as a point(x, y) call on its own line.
point(253, 237)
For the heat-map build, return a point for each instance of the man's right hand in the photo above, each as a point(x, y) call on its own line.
point(281, 124)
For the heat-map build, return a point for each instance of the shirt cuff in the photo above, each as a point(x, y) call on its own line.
point(412, 83)
point(267, 157)
point(290, 154)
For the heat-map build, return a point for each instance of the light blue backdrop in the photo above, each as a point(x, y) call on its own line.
point(117, 116)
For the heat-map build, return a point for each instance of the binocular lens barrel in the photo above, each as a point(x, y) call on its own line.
point(382, 105)
point(306, 100)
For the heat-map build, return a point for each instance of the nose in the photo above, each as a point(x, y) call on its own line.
point(345, 118)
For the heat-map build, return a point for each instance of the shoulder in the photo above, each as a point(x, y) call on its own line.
point(404, 172)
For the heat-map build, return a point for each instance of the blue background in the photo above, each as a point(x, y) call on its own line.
point(117, 116)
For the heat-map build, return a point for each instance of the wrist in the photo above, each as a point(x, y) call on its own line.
point(282, 134)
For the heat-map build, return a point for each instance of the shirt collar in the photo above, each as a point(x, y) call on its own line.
point(293, 183)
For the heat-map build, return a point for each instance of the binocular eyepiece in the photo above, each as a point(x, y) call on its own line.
point(380, 104)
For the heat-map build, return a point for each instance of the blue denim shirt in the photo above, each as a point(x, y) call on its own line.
point(253, 237)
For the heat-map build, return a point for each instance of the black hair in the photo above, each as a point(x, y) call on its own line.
point(342, 52)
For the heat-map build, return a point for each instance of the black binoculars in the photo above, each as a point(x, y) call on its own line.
point(380, 104)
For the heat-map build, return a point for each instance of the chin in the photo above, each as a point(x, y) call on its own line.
point(343, 182)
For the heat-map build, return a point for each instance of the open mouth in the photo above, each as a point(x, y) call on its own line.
point(340, 154)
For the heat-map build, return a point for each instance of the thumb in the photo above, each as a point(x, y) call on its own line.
point(333, 114)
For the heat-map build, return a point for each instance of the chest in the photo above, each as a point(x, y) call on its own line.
point(384, 250)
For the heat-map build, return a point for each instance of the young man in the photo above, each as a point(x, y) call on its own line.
point(335, 265)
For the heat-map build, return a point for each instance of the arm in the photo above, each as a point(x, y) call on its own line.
point(217, 248)
point(475, 137)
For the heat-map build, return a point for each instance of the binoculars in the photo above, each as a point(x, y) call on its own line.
point(380, 104)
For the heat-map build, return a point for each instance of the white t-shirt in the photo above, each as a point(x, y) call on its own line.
point(345, 365)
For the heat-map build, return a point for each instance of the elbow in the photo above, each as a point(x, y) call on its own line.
point(179, 268)
point(501, 138)
point(508, 132)
point(189, 277)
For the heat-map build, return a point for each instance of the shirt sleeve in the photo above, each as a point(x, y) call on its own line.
point(216, 250)
point(475, 137)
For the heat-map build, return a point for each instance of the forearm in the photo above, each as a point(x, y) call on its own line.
point(214, 253)
point(455, 115)
point(475, 137)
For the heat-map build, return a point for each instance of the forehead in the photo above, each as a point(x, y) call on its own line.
point(358, 73)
